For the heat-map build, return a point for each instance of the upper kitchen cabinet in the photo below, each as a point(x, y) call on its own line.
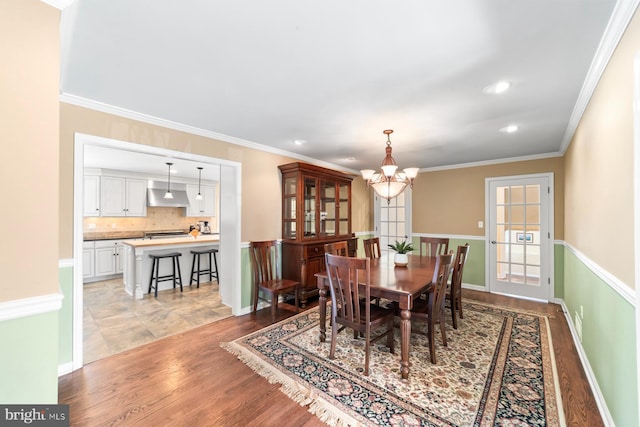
point(91, 195)
point(205, 207)
point(123, 196)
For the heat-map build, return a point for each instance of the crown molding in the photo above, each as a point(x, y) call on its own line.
point(493, 162)
point(133, 115)
point(620, 17)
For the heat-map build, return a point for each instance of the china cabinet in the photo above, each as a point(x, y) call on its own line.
point(316, 209)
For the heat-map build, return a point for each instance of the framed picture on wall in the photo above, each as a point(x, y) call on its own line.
point(524, 237)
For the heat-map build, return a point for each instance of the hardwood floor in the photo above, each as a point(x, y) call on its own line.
point(188, 379)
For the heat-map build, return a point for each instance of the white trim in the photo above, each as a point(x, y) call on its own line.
point(493, 161)
point(58, 4)
point(474, 287)
point(620, 17)
point(65, 263)
point(616, 284)
point(25, 307)
point(145, 118)
point(450, 236)
point(364, 233)
point(595, 388)
point(65, 368)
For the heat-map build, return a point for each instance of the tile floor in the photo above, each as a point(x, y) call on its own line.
point(114, 321)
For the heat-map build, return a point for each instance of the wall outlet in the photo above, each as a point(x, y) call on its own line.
point(480, 224)
point(578, 325)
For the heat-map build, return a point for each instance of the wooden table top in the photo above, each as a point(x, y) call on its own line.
point(394, 283)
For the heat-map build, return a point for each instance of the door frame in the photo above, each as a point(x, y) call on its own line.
point(550, 239)
point(230, 226)
point(377, 203)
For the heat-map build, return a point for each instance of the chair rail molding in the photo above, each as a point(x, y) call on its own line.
point(616, 284)
point(25, 307)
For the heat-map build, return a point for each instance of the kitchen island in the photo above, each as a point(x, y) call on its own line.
point(137, 264)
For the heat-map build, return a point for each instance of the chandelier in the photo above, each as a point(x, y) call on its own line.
point(389, 183)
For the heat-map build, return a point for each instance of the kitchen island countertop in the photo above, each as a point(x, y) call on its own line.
point(203, 238)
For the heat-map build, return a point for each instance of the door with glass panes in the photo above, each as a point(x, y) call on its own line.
point(519, 235)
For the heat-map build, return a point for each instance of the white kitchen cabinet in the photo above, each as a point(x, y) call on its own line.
point(91, 196)
point(88, 260)
point(107, 257)
point(205, 207)
point(123, 196)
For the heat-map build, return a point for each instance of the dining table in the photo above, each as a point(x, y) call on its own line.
point(402, 285)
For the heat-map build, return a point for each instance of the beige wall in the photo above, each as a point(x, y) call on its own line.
point(261, 204)
point(29, 76)
point(599, 168)
point(452, 201)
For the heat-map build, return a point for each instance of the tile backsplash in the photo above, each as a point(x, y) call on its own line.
point(156, 219)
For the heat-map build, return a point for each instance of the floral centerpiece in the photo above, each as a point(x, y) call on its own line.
point(401, 249)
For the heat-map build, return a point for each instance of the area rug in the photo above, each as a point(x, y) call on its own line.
point(497, 370)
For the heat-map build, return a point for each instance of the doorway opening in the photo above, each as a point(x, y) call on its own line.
point(229, 224)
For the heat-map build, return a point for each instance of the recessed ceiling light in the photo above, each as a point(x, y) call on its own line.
point(498, 87)
point(299, 142)
point(509, 129)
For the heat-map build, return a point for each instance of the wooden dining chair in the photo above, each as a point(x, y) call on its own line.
point(349, 306)
point(431, 309)
point(454, 292)
point(434, 246)
point(266, 277)
point(337, 248)
point(372, 247)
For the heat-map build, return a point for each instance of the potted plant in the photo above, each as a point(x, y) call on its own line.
point(401, 249)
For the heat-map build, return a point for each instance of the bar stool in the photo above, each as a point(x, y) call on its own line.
point(197, 272)
point(155, 271)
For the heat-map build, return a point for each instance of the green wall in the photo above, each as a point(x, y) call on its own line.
point(29, 359)
point(611, 349)
point(474, 269)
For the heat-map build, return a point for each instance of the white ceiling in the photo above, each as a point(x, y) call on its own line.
point(337, 73)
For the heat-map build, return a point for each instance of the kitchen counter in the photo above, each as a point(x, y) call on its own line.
point(137, 263)
point(206, 238)
point(112, 235)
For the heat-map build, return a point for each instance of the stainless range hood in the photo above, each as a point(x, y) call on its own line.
point(156, 191)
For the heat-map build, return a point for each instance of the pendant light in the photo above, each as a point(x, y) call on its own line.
point(389, 183)
point(168, 194)
point(199, 196)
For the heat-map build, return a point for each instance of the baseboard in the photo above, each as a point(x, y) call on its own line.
point(474, 287)
point(595, 388)
point(65, 368)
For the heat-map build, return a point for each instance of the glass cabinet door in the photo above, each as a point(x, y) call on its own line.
point(328, 208)
point(310, 192)
point(289, 208)
point(343, 209)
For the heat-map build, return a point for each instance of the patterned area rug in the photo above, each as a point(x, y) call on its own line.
point(497, 369)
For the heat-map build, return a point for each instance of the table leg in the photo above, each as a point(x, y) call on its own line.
point(405, 329)
point(323, 314)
